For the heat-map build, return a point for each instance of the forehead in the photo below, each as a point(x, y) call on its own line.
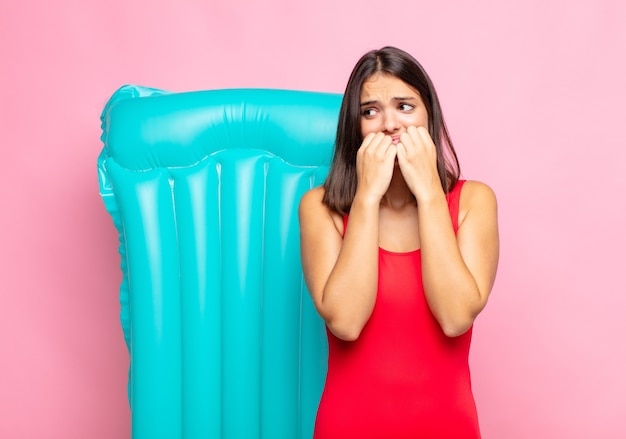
point(383, 87)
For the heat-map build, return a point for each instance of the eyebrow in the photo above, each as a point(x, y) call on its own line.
point(398, 98)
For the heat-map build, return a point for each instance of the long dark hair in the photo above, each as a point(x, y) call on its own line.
point(340, 185)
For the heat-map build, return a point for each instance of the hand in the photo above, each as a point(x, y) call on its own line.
point(374, 164)
point(417, 158)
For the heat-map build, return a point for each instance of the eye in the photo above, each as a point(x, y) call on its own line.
point(368, 112)
point(406, 107)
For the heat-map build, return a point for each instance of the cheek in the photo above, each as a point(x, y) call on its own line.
point(416, 119)
point(369, 126)
point(424, 119)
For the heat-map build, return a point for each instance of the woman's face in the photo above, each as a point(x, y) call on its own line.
point(390, 106)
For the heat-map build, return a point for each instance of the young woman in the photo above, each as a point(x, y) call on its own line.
point(399, 256)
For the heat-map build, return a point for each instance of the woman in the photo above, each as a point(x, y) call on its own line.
point(399, 256)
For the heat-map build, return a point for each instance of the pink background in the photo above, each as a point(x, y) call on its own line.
point(534, 96)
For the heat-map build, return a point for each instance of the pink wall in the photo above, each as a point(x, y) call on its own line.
point(534, 94)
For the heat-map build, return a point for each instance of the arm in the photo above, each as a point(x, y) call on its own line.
point(342, 273)
point(458, 271)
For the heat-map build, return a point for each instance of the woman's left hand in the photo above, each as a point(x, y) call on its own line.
point(417, 158)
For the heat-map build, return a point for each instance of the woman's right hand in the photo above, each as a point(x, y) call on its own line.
point(341, 266)
point(374, 165)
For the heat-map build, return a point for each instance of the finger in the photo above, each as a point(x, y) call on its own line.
point(413, 133)
point(390, 149)
point(403, 154)
point(374, 143)
point(424, 135)
point(391, 152)
point(367, 140)
point(379, 144)
point(401, 150)
point(407, 141)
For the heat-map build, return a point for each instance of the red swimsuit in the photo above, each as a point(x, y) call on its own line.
point(403, 377)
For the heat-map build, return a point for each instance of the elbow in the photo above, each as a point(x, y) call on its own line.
point(345, 332)
point(344, 323)
point(457, 321)
point(455, 327)
point(453, 331)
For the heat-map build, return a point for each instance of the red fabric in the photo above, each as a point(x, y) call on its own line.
point(403, 377)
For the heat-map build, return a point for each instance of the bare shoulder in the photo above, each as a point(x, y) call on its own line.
point(313, 210)
point(311, 203)
point(312, 196)
point(477, 191)
point(476, 197)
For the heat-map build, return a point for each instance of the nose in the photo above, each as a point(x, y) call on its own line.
point(390, 122)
